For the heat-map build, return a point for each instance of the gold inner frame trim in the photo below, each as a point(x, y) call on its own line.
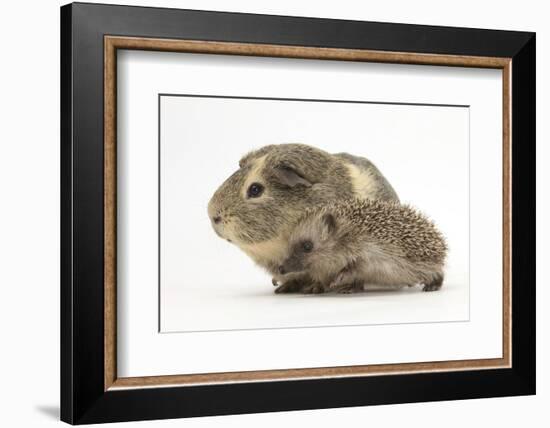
point(113, 43)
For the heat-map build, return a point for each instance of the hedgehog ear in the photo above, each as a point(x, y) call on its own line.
point(329, 223)
point(289, 176)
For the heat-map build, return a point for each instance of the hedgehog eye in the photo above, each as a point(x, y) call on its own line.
point(307, 246)
point(255, 190)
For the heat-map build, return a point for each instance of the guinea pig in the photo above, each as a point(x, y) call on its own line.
point(257, 206)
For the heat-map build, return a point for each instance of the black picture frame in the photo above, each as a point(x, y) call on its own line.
point(83, 396)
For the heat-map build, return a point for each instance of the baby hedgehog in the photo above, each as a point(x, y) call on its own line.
point(345, 245)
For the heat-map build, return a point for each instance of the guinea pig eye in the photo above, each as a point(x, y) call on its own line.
point(255, 190)
point(307, 246)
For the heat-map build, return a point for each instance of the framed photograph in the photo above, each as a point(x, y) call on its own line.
point(266, 213)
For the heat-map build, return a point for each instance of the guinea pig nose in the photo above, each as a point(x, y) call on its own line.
point(281, 270)
point(216, 219)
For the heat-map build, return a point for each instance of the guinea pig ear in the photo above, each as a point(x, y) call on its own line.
point(245, 159)
point(288, 176)
point(329, 223)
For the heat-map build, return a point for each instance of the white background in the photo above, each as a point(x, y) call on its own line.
point(29, 232)
point(142, 351)
point(208, 284)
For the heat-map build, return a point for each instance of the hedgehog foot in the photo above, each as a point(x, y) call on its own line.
point(435, 284)
point(294, 285)
point(313, 288)
point(344, 279)
point(288, 287)
point(354, 287)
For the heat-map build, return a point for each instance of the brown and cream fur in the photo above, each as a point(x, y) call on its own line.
point(294, 177)
point(345, 245)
